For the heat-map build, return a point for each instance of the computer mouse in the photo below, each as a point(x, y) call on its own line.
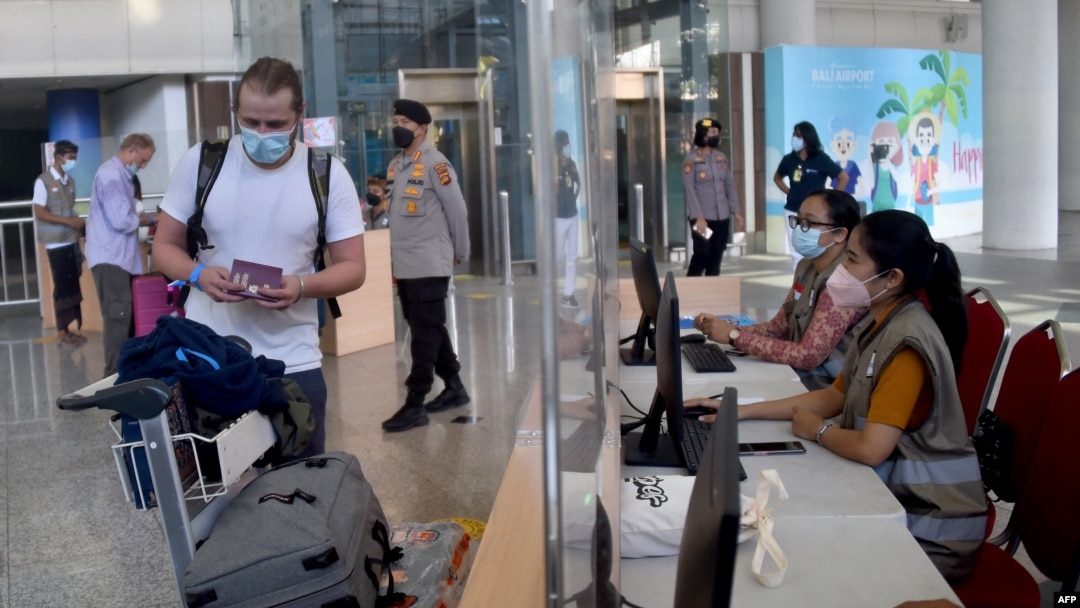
point(697, 411)
point(693, 339)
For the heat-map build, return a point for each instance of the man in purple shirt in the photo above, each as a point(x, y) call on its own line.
point(112, 239)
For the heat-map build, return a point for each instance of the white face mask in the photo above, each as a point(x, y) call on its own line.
point(797, 143)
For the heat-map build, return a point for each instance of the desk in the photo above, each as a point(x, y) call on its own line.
point(831, 562)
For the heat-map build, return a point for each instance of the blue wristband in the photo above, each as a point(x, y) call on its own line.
point(194, 278)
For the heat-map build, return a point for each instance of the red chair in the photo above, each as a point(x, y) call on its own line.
point(988, 339)
point(1044, 519)
point(1036, 363)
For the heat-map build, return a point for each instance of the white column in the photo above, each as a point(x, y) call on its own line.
point(1069, 100)
point(1020, 118)
point(788, 22)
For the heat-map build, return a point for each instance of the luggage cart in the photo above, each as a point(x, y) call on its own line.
point(188, 506)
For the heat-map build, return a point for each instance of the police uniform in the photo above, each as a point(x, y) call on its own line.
point(710, 193)
point(428, 232)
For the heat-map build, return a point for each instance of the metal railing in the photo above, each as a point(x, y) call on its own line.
point(18, 269)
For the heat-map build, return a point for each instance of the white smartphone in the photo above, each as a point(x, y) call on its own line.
point(706, 234)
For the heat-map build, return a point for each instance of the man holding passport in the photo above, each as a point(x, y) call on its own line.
point(261, 211)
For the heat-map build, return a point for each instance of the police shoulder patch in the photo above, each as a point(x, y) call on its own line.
point(417, 156)
point(443, 171)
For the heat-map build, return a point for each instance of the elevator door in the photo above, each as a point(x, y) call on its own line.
point(639, 145)
point(458, 131)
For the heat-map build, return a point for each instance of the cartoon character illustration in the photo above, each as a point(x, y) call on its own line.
point(886, 154)
point(924, 133)
point(843, 148)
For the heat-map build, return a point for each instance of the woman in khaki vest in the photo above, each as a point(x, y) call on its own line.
point(809, 332)
point(895, 406)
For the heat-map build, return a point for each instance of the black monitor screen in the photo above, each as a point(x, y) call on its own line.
point(651, 448)
point(647, 287)
point(710, 536)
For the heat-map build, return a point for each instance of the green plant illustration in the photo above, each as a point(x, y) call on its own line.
point(949, 96)
point(898, 105)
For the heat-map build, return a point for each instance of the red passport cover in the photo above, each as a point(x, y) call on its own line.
point(255, 276)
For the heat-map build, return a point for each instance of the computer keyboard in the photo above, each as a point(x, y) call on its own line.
point(707, 358)
point(581, 450)
point(695, 436)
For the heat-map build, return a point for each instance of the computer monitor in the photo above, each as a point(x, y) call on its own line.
point(707, 554)
point(647, 286)
point(651, 447)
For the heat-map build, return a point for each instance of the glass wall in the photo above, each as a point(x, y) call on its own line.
point(525, 104)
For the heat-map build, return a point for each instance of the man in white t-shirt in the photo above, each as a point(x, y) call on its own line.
point(261, 209)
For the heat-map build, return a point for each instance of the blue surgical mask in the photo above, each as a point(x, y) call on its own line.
point(133, 168)
point(806, 243)
point(68, 165)
point(797, 143)
point(266, 148)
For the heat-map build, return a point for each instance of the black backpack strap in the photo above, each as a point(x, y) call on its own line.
point(319, 174)
point(211, 159)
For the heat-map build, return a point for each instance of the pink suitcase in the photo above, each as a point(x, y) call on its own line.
point(150, 299)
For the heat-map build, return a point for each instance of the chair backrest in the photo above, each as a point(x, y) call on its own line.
point(1036, 364)
point(1045, 515)
point(988, 339)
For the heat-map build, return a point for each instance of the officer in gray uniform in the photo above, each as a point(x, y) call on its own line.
point(429, 235)
point(711, 199)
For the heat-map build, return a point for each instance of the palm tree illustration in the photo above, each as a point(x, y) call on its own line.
point(949, 95)
point(900, 105)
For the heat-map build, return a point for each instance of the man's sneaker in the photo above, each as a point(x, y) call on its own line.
point(569, 301)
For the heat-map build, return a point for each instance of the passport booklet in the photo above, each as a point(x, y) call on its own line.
point(255, 277)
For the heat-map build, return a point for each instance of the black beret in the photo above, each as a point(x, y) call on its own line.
point(707, 123)
point(413, 110)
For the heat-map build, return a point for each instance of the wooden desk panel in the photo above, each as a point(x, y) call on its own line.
point(91, 309)
point(367, 314)
point(719, 295)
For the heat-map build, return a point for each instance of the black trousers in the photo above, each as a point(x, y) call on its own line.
point(708, 253)
point(423, 302)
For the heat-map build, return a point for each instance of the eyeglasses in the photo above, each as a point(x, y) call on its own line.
point(805, 224)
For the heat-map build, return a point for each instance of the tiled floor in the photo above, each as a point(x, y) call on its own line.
point(71, 540)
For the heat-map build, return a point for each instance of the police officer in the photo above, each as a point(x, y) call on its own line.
point(428, 237)
point(711, 200)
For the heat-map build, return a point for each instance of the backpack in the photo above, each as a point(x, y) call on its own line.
point(211, 159)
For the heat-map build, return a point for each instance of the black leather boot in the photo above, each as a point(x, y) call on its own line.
point(454, 395)
point(411, 414)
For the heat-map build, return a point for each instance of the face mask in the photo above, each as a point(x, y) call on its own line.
point(132, 168)
point(68, 165)
point(713, 142)
point(266, 148)
point(403, 138)
point(797, 144)
point(806, 243)
point(848, 291)
point(566, 151)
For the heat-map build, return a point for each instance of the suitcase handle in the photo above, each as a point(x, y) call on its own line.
point(142, 399)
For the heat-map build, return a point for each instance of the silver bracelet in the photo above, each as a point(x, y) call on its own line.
point(301, 294)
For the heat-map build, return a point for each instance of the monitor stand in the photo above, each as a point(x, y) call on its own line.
point(647, 358)
point(666, 454)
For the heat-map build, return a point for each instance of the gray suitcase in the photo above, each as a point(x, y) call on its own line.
point(310, 533)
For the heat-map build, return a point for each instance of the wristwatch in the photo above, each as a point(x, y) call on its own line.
point(821, 431)
point(732, 336)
